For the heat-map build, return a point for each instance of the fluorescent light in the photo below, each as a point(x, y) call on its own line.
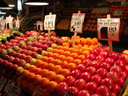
point(5, 8)
point(11, 5)
point(37, 3)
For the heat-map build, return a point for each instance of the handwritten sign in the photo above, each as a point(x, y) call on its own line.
point(39, 25)
point(17, 23)
point(108, 29)
point(14, 91)
point(118, 13)
point(9, 22)
point(2, 24)
point(8, 86)
point(2, 82)
point(77, 22)
point(49, 22)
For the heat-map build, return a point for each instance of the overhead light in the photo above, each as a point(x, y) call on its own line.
point(11, 5)
point(3, 5)
point(2, 12)
point(36, 2)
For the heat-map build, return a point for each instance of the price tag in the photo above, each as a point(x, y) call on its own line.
point(40, 25)
point(17, 23)
point(77, 22)
point(2, 23)
point(49, 22)
point(14, 91)
point(8, 85)
point(2, 82)
point(108, 29)
point(36, 93)
point(9, 22)
point(118, 13)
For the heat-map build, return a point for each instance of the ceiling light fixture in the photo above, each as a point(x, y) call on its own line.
point(36, 2)
point(3, 5)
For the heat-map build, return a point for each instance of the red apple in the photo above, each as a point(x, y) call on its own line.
point(124, 74)
point(106, 48)
point(114, 55)
point(100, 58)
point(102, 72)
point(91, 87)
point(105, 65)
point(96, 78)
point(95, 95)
point(113, 75)
point(28, 58)
point(45, 46)
point(95, 64)
point(120, 81)
point(96, 51)
point(73, 90)
point(112, 94)
point(50, 43)
point(107, 82)
point(87, 62)
point(116, 88)
point(103, 90)
point(52, 33)
point(39, 50)
point(81, 67)
point(116, 68)
point(86, 76)
point(84, 93)
point(91, 70)
point(120, 62)
point(34, 54)
point(15, 67)
point(110, 60)
point(91, 56)
point(126, 67)
point(104, 53)
point(16, 60)
point(76, 73)
point(22, 56)
point(80, 84)
point(70, 80)
point(124, 57)
point(24, 51)
point(11, 59)
point(62, 88)
point(21, 62)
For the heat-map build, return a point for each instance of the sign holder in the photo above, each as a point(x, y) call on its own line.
point(49, 30)
point(17, 24)
point(75, 34)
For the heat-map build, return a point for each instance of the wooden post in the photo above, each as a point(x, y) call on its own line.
point(49, 30)
point(75, 34)
point(109, 42)
point(19, 22)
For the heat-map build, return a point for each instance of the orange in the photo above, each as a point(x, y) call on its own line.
point(32, 68)
point(52, 86)
point(49, 54)
point(50, 66)
point(65, 48)
point(50, 59)
point(59, 47)
point(45, 58)
point(69, 59)
point(67, 53)
point(56, 55)
point(95, 40)
point(44, 82)
point(77, 61)
point(77, 37)
point(64, 64)
point(55, 50)
point(37, 70)
point(91, 42)
point(38, 63)
point(79, 45)
point(71, 66)
point(83, 41)
point(74, 55)
point(51, 75)
point(62, 57)
point(24, 83)
point(65, 72)
point(59, 78)
point(61, 52)
point(65, 44)
point(43, 65)
point(26, 66)
point(81, 57)
point(37, 79)
point(77, 41)
point(44, 72)
point(85, 53)
point(30, 76)
point(72, 50)
point(70, 42)
point(57, 62)
point(25, 73)
point(57, 69)
point(19, 80)
point(90, 49)
point(79, 52)
point(31, 86)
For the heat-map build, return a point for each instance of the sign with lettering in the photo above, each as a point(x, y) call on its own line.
point(108, 29)
point(77, 22)
point(9, 22)
point(49, 22)
point(39, 25)
point(17, 23)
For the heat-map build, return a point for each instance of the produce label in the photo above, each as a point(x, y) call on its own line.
point(117, 13)
point(9, 22)
point(2, 82)
point(77, 22)
point(36, 93)
point(8, 85)
point(39, 25)
point(17, 23)
point(2, 24)
point(14, 91)
point(108, 29)
point(49, 22)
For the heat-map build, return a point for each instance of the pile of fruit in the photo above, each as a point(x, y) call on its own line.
point(100, 74)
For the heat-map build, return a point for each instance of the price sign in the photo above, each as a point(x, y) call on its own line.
point(118, 13)
point(14, 91)
point(36, 93)
point(108, 29)
point(39, 25)
point(9, 22)
point(2, 23)
point(2, 82)
point(49, 22)
point(77, 22)
point(8, 86)
point(17, 23)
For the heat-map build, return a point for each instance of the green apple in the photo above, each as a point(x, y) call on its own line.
point(32, 61)
point(19, 70)
point(4, 52)
point(16, 47)
point(35, 37)
point(22, 43)
point(9, 50)
point(39, 57)
point(30, 39)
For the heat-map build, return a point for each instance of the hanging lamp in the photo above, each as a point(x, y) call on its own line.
point(36, 2)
